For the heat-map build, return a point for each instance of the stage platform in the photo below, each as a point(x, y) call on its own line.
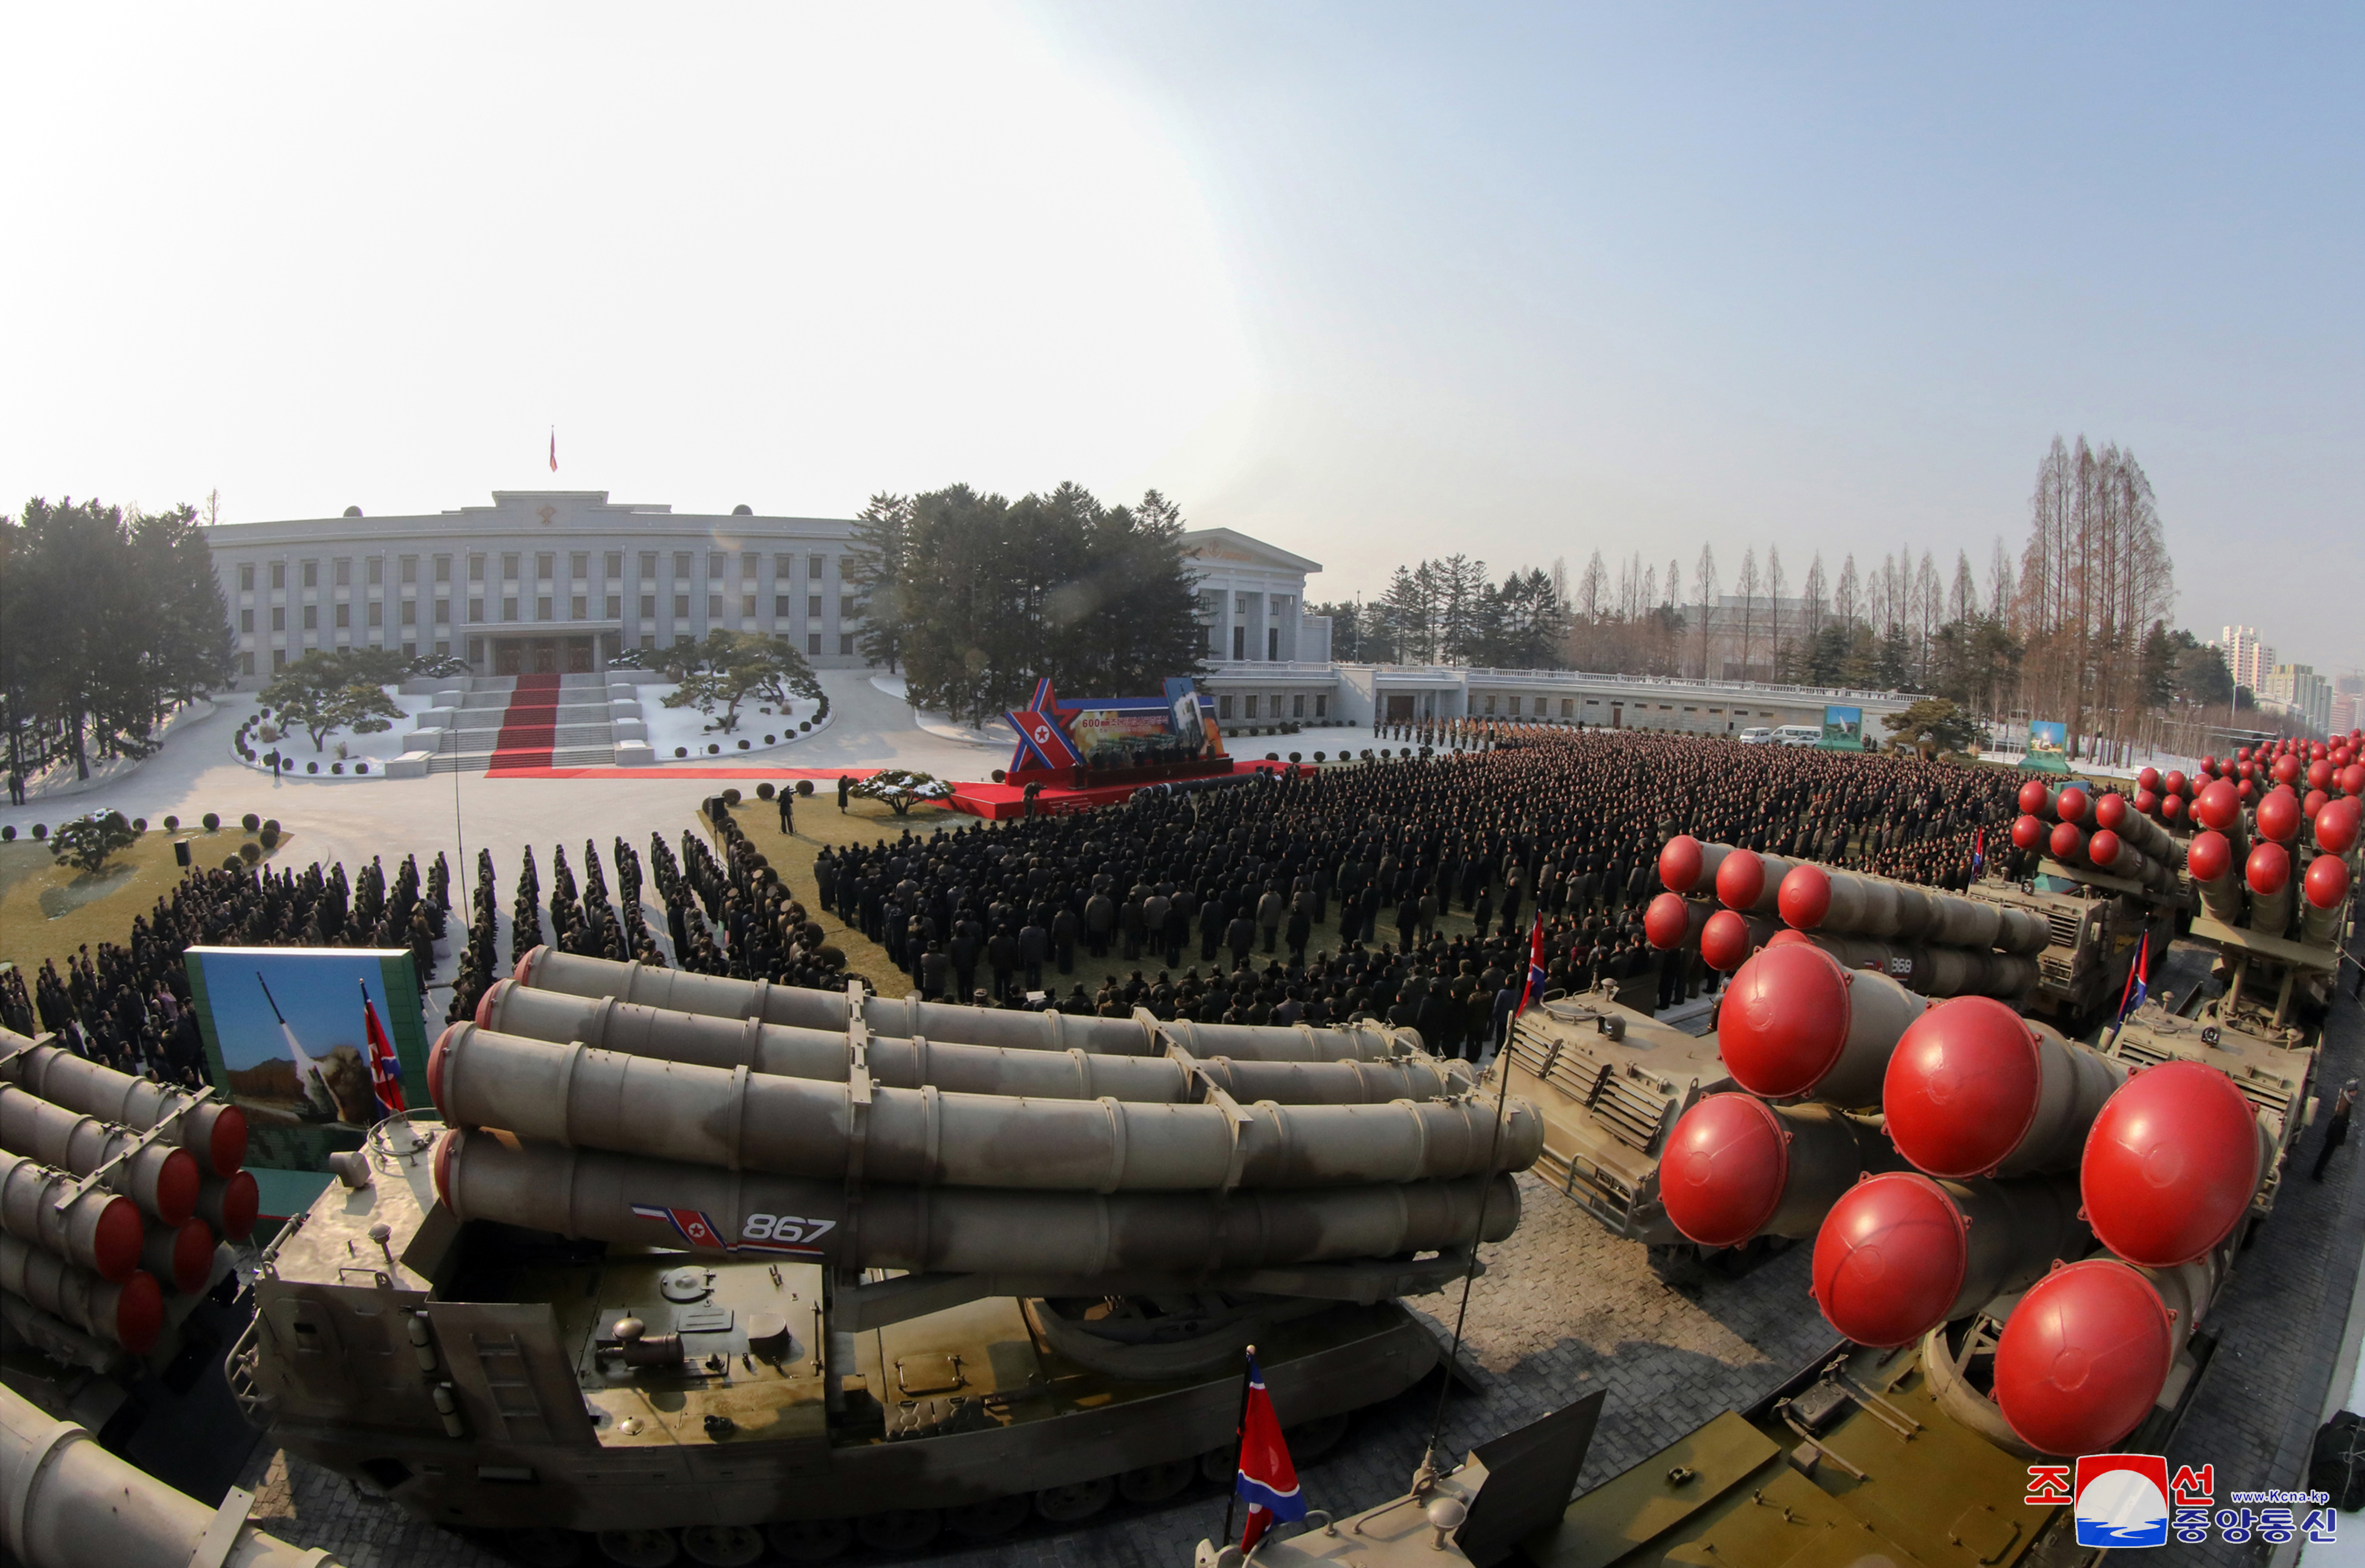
point(1007, 803)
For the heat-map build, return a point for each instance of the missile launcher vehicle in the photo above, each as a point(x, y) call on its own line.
point(768, 1275)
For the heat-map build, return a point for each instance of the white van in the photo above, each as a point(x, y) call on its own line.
point(1799, 734)
point(1760, 735)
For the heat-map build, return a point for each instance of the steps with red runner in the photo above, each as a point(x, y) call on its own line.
point(530, 726)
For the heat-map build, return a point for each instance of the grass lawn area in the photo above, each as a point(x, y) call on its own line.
point(47, 909)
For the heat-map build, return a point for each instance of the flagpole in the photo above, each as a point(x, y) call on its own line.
point(1240, 1441)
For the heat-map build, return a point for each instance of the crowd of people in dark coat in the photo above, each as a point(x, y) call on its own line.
point(128, 1005)
point(1563, 825)
point(1295, 895)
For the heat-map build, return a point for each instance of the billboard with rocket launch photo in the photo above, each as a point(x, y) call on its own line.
point(289, 1035)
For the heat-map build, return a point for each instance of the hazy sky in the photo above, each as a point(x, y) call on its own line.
point(1372, 281)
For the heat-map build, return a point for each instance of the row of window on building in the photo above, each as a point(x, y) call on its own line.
point(511, 609)
point(1541, 707)
point(1301, 705)
point(512, 563)
point(279, 657)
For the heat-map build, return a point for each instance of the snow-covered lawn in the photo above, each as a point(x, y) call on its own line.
point(995, 732)
point(341, 745)
point(762, 726)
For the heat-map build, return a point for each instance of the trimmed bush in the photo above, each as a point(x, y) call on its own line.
point(713, 749)
point(251, 821)
point(271, 825)
point(1319, 755)
point(232, 862)
point(311, 768)
point(361, 768)
point(139, 825)
point(803, 726)
point(743, 743)
point(41, 830)
point(249, 852)
point(804, 786)
point(770, 739)
point(8, 835)
point(1297, 756)
point(763, 792)
point(1272, 756)
point(680, 751)
point(212, 821)
point(172, 824)
point(731, 797)
point(999, 776)
point(270, 838)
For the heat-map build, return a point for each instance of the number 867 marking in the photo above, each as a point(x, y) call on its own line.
point(785, 1227)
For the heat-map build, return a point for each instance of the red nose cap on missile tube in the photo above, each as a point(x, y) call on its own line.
point(2319, 774)
point(2245, 791)
point(2352, 779)
point(227, 1147)
point(1740, 880)
point(1889, 1259)
point(2071, 806)
point(2147, 803)
point(1726, 1164)
point(1679, 863)
point(2279, 816)
point(2110, 810)
point(439, 1166)
point(1787, 937)
point(2336, 826)
point(177, 1180)
point(435, 1069)
point(1806, 896)
point(1724, 942)
point(2208, 857)
point(2083, 1358)
point(2176, 783)
point(2325, 886)
point(2286, 769)
point(488, 1004)
point(2171, 808)
point(1783, 1021)
point(2027, 833)
point(1667, 922)
point(139, 1313)
point(2149, 778)
point(241, 1202)
point(2034, 798)
point(2103, 849)
point(192, 1256)
point(2068, 844)
point(2268, 870)
point(2315, 802)
point(2170, 1164)
point(116, 1238)
point(525, 965)
point(1962, 1087)
point(2218, 807)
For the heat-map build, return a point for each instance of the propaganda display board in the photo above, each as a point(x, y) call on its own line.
point(2049, 746)
point(1176, 726)
point(1843, 729)
point(315, 1044)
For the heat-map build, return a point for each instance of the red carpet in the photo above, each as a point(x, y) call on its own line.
point(530, 725)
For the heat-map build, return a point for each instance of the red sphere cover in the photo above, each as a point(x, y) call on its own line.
point(1726, 1162)
point(1805, 897)
point(1679, 863)
point(1783, 1021)
point(1962, 1087)
point(1889, 1259)
point(2170, 1165)
point(2083, 1358)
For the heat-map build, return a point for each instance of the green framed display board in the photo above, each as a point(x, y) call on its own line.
point(287, 1040)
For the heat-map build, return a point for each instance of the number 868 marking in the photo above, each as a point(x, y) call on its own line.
point(785, 1227)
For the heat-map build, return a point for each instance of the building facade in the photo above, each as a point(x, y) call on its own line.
point(540, 581)
point(2249, 659)
point(2301, 693)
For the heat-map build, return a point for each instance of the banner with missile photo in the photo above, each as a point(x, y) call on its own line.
point(315, 1044)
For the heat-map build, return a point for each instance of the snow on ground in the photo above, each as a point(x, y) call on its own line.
point(377, 750)
point(995, 732)
point(686, 727)
point(63, 779)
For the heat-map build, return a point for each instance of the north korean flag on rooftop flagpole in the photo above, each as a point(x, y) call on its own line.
point(1267, 1479)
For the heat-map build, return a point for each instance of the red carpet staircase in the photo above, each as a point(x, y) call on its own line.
point(528, 721)
point(530, 726)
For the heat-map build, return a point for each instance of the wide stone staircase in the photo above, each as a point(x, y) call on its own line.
point(528, 721)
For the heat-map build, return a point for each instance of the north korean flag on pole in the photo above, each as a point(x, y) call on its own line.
point(2138, 974)
point(1535, 965)
point(1267, 1480)
point(386, 1067)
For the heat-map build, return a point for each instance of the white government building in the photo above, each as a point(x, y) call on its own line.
point(561, 581)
